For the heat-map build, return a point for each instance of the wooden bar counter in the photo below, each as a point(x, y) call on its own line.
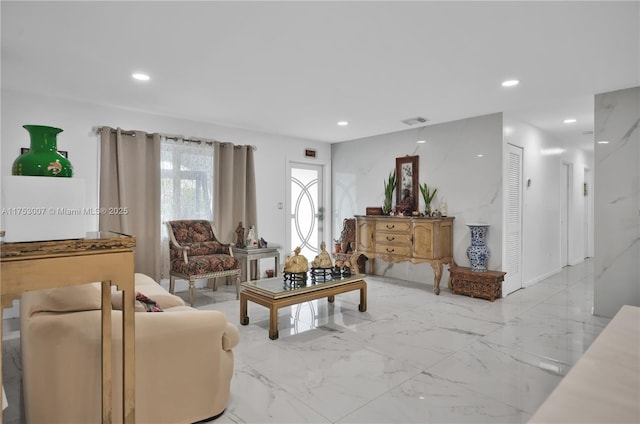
point(100, 256)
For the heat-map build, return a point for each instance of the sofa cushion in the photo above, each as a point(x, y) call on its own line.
point(205, 264)
point(88, 297)
point(147, 286)
point(150, 288)
point(83, 297)
point(116, 303)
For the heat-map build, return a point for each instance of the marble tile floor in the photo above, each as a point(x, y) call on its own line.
point(412, 357)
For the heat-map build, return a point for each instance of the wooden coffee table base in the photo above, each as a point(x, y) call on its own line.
point(296, 298)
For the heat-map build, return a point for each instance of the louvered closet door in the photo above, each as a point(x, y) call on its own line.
point(513, 279)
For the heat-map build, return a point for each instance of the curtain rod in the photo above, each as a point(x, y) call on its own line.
point(169, 137)
point(190, 140)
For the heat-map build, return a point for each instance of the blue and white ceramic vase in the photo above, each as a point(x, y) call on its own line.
point(478, 253)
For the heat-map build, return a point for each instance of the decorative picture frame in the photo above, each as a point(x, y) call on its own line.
point(64, 153)
point(407, 168)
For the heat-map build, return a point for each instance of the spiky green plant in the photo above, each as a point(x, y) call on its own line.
point(389, 187)
point(427, 195)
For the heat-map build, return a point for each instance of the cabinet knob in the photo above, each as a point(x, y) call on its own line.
point(390, 227)
point(390, 238)
point(390, 250)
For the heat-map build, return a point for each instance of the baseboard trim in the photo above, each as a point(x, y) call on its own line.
point(541, 277)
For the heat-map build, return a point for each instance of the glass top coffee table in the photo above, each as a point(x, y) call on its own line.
point(276, 293)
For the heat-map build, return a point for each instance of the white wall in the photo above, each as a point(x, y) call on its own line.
point(541, 200)
point(617, 201)
point(472, 185)
point(78, 119)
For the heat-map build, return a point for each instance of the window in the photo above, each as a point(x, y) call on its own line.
point(186, 184)
point(186, 173)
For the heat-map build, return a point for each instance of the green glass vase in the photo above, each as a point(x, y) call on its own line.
point(43, 158)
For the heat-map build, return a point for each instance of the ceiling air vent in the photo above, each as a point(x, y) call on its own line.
point(416, 120)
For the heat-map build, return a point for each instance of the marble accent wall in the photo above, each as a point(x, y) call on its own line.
point(449, 160)
point(617, 201)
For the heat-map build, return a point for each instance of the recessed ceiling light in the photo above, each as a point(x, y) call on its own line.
point(480, 155)
point(603, 142)
point(510, 83)
point(421, 141)
point(569, 121)
point(343, 123)
point(141, 77)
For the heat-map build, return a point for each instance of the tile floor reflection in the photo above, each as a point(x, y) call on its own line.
point(413, 357)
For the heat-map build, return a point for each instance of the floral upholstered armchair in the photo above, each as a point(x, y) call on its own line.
point(196, 253)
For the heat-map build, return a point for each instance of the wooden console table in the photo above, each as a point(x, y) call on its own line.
point(403, 238)
point(485, 284)
point(103, 256)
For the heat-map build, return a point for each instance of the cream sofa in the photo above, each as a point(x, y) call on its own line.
point(184, 361)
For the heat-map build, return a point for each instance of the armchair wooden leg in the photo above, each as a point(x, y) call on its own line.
point(237, 287)
point(192, 290)
point(172, 284)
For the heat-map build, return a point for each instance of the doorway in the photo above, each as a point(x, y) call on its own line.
point(565, 190)
point(587, 216)
point(306, 208)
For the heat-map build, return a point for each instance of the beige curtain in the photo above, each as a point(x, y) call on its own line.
point(234, 190)
point(130, 186)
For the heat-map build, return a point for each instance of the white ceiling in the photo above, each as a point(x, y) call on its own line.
point(296, 68)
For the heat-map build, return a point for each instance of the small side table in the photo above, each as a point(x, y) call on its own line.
point(249, 256)
point(486, 285)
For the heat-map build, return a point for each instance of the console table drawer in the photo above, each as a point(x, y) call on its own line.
point(393, 238)
point(393, 225)
point(391, 249)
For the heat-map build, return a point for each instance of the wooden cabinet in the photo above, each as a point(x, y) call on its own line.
point(401, 239)
point(433, 238)
point(364, 235)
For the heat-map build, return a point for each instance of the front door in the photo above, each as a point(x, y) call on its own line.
point(306, 209)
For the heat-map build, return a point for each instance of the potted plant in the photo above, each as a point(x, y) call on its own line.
point(427, 195)
point(389, 187)
point(337, 245)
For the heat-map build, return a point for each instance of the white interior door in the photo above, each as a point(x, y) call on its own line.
point(564, 215)
point(513, 259)
point(587, 216)
point(306, 208)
